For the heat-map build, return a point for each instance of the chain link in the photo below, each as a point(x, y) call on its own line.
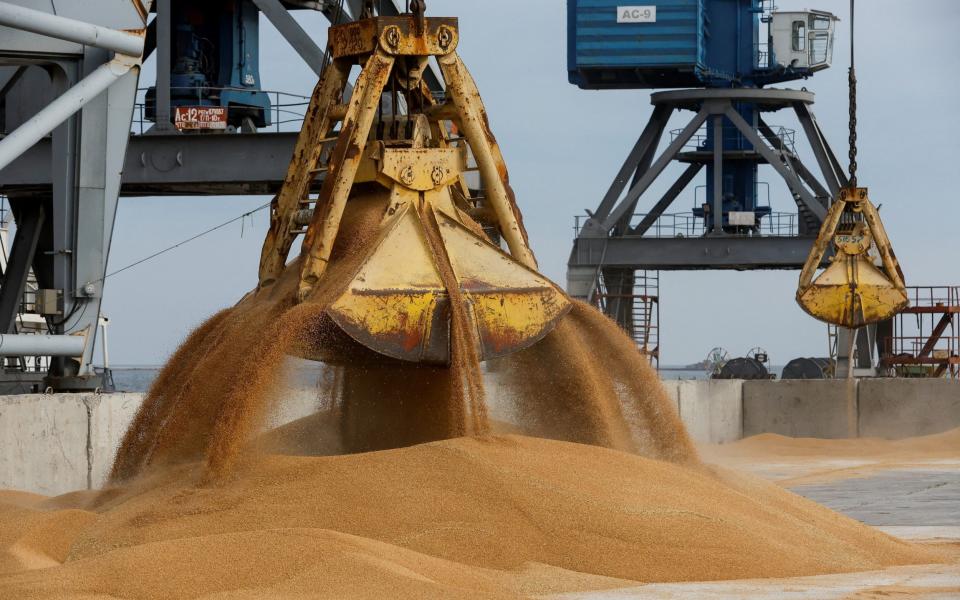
point(853, 128)
point(852, 81)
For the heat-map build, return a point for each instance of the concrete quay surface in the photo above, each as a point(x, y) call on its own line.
point(926, 582)
point(908, 501)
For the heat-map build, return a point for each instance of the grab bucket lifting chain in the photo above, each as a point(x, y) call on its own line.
point(863, 283)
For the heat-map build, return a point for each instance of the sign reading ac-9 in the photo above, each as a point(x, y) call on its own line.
point(636, 14)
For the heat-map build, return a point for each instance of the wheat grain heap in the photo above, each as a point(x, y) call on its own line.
point(401, 485)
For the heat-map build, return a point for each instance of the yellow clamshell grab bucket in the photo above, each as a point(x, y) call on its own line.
point(863, 282)
point(394, 297)
point(397, 302)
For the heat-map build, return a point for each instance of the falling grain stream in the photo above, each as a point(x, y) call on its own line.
point(585, 382)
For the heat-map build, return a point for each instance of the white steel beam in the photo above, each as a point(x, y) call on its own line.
point(42, 345)
point(43, 23)
point(58, 111)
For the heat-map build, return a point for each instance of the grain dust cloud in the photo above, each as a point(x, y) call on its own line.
point(584, 383)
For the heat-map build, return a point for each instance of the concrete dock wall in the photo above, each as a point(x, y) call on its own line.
point(831, 409)
point(110, 417)
point(44, 442)
point(712, 410)
point(801, 408)
point(53, 444)
point(672, 386)
point(897, 408)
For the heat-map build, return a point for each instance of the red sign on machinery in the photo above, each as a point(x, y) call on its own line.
point(200, 117)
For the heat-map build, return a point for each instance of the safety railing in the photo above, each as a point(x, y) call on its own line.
point(644, 313)
point(26, 364)
point(28, 302)
point(926, 336)
point(934, 296)
point(914, 345)
point(286, 110)
point(762, 52)
point(688, 225)
point(766, 9)
point(702, 140)
point(761, 194)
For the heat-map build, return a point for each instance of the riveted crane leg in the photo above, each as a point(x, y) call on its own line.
point(302, 170)
point(472, 119)
point(344, 161)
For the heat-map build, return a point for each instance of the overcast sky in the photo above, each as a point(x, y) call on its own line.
point(563, 146)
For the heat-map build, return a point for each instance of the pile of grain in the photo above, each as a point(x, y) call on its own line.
point(615, 496)
point(944, 445)
point(802, 461)
point(468, 518)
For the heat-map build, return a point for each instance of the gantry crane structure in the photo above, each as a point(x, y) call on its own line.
point(69, 78)
point(717, 60)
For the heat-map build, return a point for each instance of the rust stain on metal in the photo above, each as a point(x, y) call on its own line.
point(496, 343)
point(306, 155)
point(352, 38)
point(141, 10)
point(504, 176)
point(396, 35)
point(485, 120)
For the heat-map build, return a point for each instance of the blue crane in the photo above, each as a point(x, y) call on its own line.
point(710, 44)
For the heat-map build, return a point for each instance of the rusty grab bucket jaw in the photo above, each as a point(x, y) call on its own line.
point(397, 305)
point(863, 283)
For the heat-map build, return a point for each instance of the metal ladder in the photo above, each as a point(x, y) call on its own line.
point(308, 202)
point(646, 314)
point(643, 324)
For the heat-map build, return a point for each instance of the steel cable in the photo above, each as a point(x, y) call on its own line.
point(186, 241)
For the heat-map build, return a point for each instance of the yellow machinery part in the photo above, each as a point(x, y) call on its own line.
point(513, 306)
point(852, 291)
point(870, 299)
point(397, 304)
point(393, 296)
